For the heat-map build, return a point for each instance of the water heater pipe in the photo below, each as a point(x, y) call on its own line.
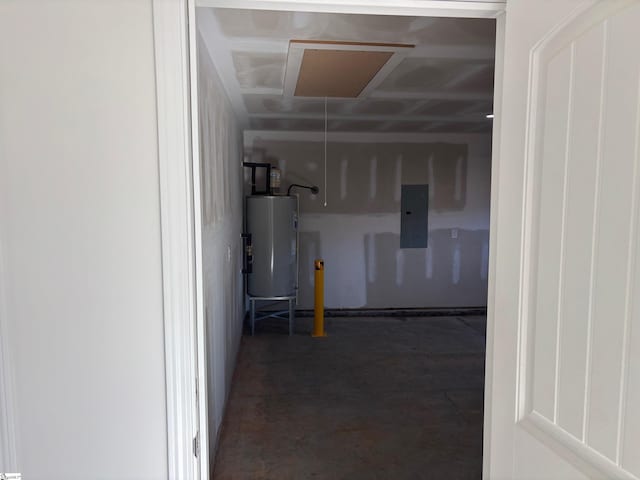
point(313, 188)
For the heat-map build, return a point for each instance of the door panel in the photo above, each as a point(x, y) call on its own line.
point(583, 163)
point(575, 380)
point(551, 214)
point(631, 420)
point(616, 226)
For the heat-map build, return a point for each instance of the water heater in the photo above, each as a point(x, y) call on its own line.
point(272, 223)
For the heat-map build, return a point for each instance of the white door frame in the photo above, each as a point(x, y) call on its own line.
point(418, 8)
point(179, 167)
point(493, 235)
point(178, 164)
point(8, 447)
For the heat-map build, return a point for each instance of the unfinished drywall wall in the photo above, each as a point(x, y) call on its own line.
point(358, 232)
point(221, 153)
point(80, 242)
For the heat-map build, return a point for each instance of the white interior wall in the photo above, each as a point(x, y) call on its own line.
point(221, 153)
point(80, 239)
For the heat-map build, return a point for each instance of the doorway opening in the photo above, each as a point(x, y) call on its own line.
point(391, 118)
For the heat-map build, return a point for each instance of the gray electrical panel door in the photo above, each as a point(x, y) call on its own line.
point(414, 227)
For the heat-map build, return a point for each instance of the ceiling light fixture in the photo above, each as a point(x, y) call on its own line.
point(490, 115)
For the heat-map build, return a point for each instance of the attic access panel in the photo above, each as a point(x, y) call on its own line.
point(338, 73)
point(339, 69)
point(414, 225)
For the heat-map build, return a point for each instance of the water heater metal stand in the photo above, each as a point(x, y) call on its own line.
point(291, 312)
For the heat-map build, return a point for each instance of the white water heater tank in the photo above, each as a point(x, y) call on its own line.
point(272, 221)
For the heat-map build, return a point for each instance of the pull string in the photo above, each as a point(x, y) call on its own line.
point(325, 151)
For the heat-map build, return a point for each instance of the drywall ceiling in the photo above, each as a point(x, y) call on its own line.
point(444, 84)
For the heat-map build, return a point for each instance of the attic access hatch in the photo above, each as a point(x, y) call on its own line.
point(339, 69)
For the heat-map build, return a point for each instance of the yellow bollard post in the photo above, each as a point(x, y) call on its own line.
point(318, 308)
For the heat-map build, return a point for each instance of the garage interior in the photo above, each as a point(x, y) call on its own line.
point(377, 112)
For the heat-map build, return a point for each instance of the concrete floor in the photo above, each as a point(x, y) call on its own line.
point(379, 398)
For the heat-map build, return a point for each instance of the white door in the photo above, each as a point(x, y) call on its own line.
point(563, 376)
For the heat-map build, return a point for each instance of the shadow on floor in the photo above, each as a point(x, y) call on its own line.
point(379, 398)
